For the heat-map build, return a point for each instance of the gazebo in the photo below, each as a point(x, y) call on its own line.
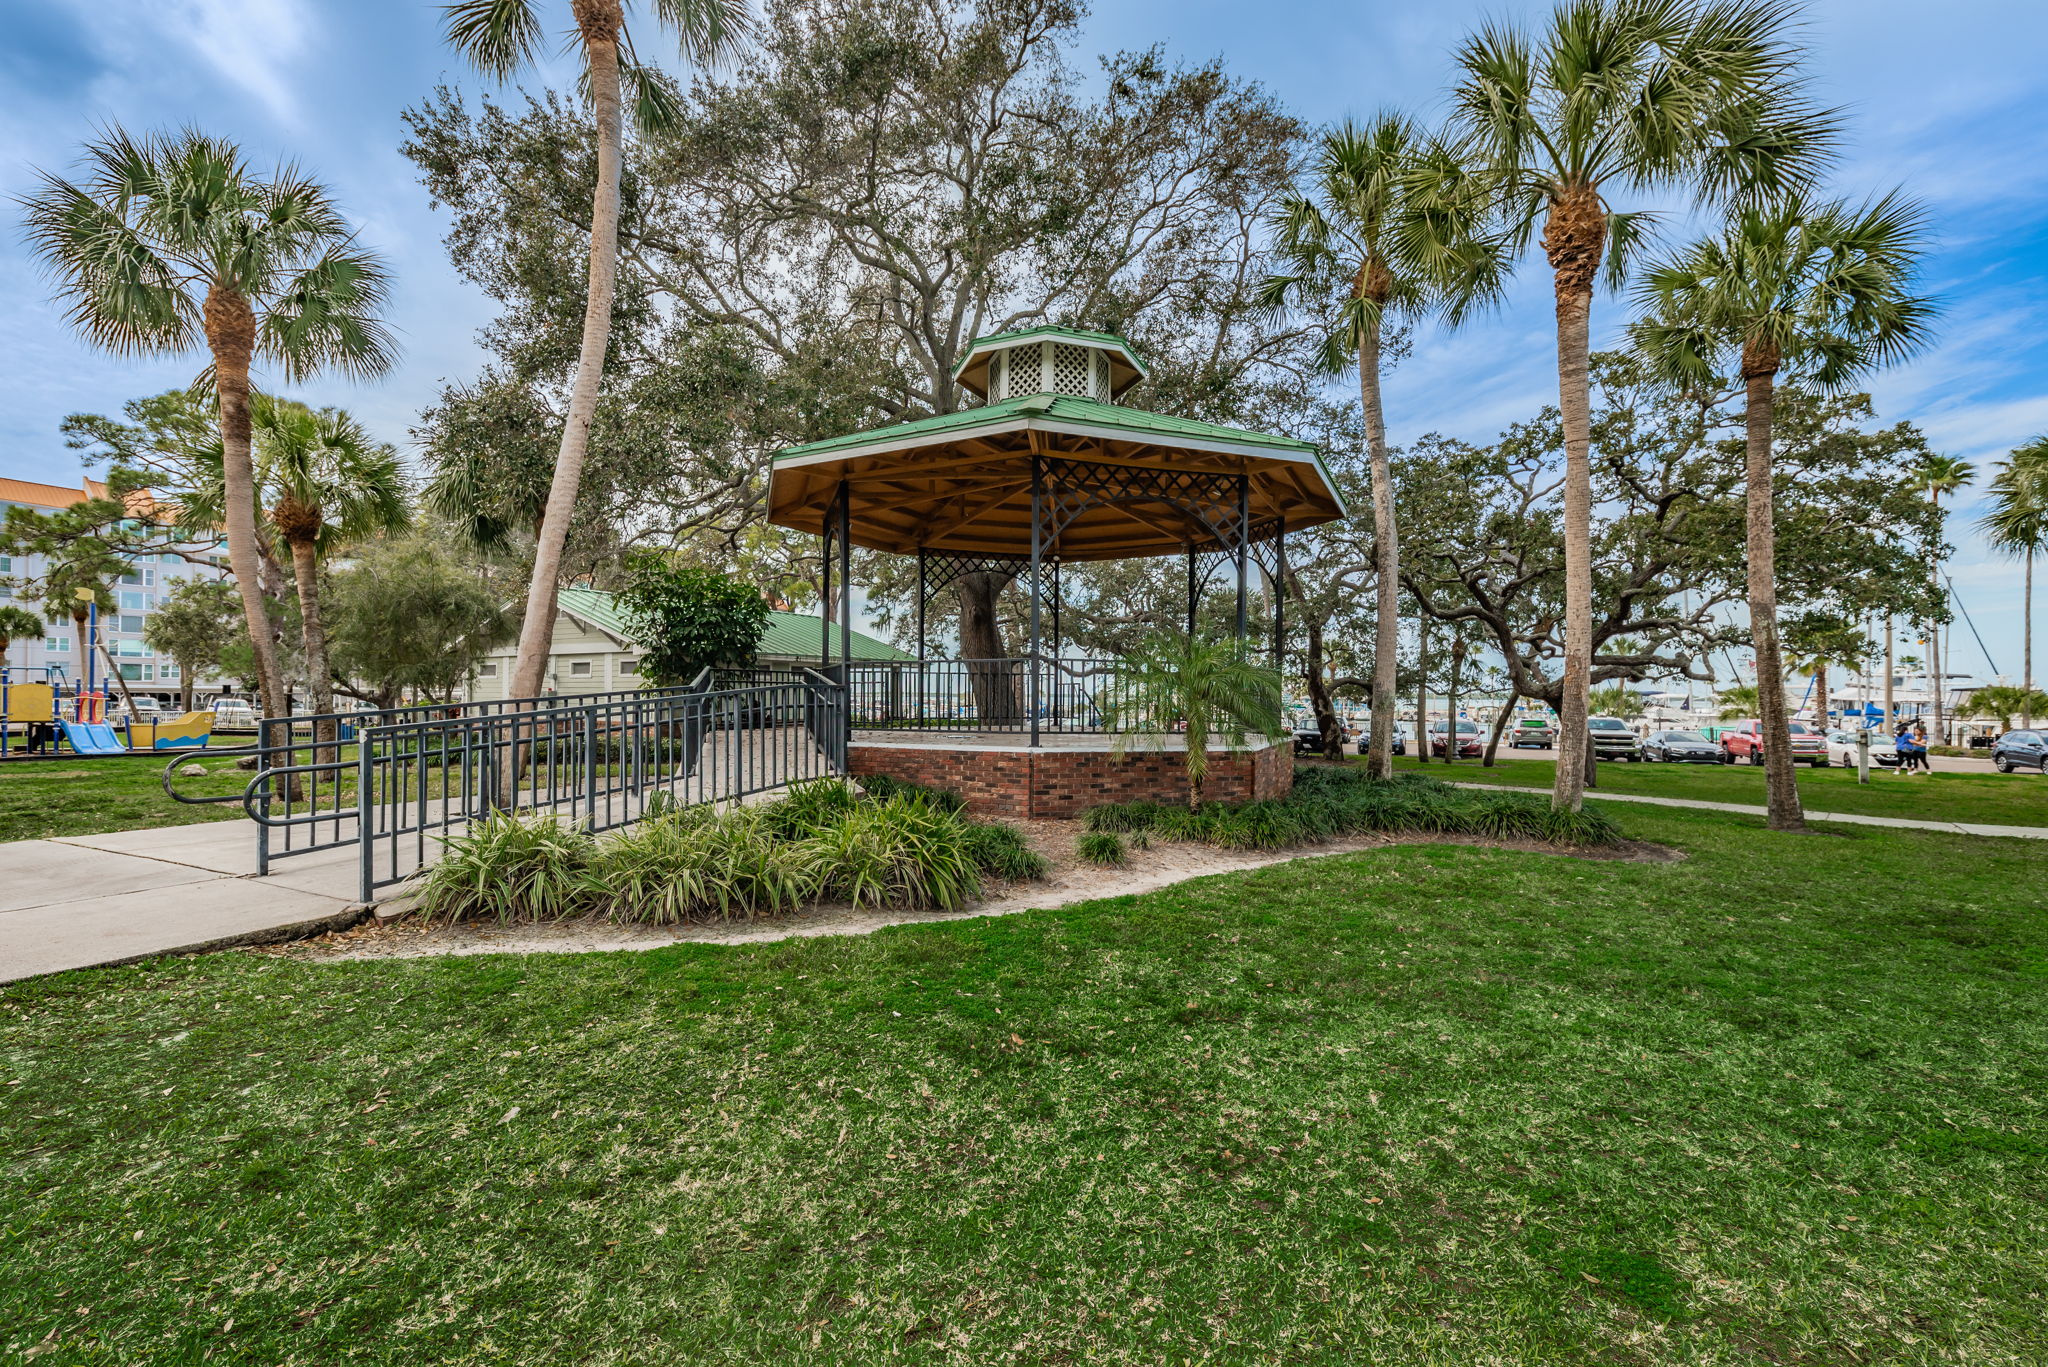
point(1051, 470)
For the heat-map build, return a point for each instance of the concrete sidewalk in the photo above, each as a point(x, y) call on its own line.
point(1744, 809)
point(81, 901)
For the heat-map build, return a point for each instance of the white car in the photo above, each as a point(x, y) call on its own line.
point(1842, 749)
point(233, 714)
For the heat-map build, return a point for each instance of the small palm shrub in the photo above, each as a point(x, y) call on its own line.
point(1587, 826)
point(508, 868)
point(1000, 852)
point(1125, 817)
point(902, 852)
point(1104, 848)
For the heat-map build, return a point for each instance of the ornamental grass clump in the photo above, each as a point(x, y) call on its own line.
point(692, 865)
point(1001, 852)
point(508, 868)
point(882, 787)
point(1103, 848)
point(903, 853)
point(812, 805)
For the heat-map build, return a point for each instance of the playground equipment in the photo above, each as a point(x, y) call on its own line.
point(91, 737)
point(31, 706)
point(189, 732)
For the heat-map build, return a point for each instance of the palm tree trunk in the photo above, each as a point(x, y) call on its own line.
point(1387, 562)
point(313, 631)
point(2027, 644)
point(1781, 786)
point(1889, 667)
point(536, 632)
point(231, 333)
point(1574, 321)
point(1820, 696)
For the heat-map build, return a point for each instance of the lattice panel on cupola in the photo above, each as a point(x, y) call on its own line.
point(1073, 371)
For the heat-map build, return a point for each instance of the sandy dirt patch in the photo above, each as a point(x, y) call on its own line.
point(1070, 880)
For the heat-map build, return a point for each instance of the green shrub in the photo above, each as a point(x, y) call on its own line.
point(1102, 847)
point(508, 868)
point(1125, 817)
point(811, 805)
point(902, 852)
point(1587, 826)
point(1333, 801)
point(1000, 851)
point(883, 787)
point(692, 865)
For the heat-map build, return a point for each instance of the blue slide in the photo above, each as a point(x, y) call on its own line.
point(92, 738)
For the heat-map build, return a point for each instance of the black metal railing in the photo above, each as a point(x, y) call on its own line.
point(1029, 695)
point(396, 782)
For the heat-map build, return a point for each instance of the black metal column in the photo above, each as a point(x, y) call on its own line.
point(1037, 553)
point(920, 605)
point(1244, 548)
point(1191, 590)
point(1280, 597)
point(845, 577)
point(825, 592)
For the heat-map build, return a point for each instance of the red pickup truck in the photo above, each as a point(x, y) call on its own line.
point(1745, 740)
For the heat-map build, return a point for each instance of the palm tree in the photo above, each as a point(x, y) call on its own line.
point(2003, 702)
point(1203, 689)
point(1818, 641)
point(322, 483)
point(2018, 525)
point(1698, 95)
point(330, 484)
point(16, 624)
point(170, 241)
point(1939, 475)
point(1737, 702)
point(1394, 223)
point(499, 37)
point(1615, 700)
point(1822, 291)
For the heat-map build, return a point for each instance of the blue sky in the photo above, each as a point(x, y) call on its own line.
point(1947, 100)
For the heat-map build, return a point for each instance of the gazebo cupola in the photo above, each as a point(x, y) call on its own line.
point(1049, 360)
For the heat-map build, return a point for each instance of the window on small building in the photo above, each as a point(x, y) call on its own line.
point(488, 671)
point(579, 669)
point(629, 666)
point(132, 602)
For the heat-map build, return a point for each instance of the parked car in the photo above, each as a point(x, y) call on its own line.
point(1536, 733)
point(145, 710)
point(1745, 740)
point(1363, 744)
point(1613, 739)
point(1469, 743)
point(1680, 747)
point(2021, 750)
point(1841, 747)
point(233, 714)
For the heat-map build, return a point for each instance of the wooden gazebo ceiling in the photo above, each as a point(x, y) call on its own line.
point(971, 493)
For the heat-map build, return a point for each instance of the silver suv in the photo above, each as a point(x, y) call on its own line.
point(1612, 739)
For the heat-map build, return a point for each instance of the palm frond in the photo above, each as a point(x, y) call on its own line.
point(497, 36)
point(326, 316)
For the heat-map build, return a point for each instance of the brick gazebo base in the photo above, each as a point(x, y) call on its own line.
point(1001, 776)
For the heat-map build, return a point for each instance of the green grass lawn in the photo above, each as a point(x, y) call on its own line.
point(1990, 798)
point(1784, 1102)
point(88, 796)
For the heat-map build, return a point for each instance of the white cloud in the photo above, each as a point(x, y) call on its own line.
point(249, 44)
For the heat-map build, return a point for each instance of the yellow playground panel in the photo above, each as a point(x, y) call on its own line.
point(28, 702)
point(189, 732)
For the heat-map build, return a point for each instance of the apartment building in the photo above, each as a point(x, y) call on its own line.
point(149, 581)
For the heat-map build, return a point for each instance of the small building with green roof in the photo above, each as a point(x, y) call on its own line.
point(593, 649)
